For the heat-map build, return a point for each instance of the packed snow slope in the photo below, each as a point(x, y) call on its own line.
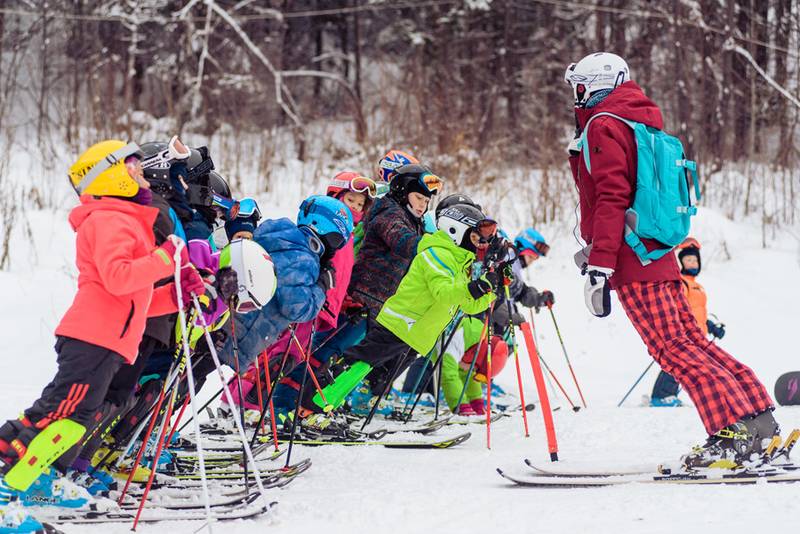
point(754, 291)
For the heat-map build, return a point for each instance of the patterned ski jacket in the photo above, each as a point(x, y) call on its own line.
point(390, 243)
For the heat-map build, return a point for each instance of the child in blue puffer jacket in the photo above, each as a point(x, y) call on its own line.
point(301, 254)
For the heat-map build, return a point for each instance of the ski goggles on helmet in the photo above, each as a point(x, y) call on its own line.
point(431, 182)
point(247, 306)
point(428, 181)
point(245, 208)
point(536, 247)
point(319, 244)
point(359, 184)
point(486, 230)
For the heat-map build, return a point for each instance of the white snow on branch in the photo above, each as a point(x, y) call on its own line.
point(733, 47)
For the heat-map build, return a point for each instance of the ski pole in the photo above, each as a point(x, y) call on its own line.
point(200, 410)
point(472, 363)
point(303, 384)
point(641, 376)
point(259, 395)
point(438, 371)
point(272, 422)
point(179, 244)
point(150, 426)
point(428, 358)
point(229, 398)
point(420, 392)
point(307, 360)
point(178, 419)
point(566, 357)
point(516, 361)
point(387, 387)
point(271, 390)
point(236, 368)
point(300, 394)
point(547, 413)
point(489, 382)
point(575, 408)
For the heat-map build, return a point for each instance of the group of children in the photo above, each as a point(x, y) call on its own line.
point(332, 307)
point(328, 309)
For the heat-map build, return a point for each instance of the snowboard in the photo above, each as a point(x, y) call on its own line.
point(787, 389)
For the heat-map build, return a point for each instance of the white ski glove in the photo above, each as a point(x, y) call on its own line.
point(597, 291)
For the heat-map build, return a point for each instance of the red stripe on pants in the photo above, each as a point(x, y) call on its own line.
point(723, 389)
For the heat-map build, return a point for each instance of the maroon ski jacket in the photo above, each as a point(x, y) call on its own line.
point(608, 191)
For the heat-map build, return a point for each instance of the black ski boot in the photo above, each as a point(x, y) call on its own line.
point(735, 444)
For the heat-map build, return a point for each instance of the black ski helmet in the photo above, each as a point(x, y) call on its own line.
point(689, 247)
point(156, 164)
point(412, 178)
point(452, 200)
point(219, 185)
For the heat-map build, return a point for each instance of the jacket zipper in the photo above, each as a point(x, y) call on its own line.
point(127, 322)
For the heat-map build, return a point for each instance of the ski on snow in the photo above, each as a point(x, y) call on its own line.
point(769, 471)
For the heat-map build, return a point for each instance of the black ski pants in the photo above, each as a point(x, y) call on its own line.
point(76, 392)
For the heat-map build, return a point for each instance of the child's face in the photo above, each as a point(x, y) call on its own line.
point(475, 238)
point(354, 201)
point(242, 234)
point(690, 262)
point(418, 203)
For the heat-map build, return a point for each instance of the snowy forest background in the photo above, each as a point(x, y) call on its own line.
point(298, 89)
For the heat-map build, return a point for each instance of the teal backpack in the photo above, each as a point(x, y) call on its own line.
point(662, 207)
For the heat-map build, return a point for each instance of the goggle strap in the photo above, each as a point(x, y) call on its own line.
point(202, 168)
point(104, 164)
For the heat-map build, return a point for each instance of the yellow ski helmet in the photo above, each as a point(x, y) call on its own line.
point(101, 170)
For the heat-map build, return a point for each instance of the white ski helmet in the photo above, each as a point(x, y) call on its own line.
point(255, 273)
point(457, 221)
point(601, 70)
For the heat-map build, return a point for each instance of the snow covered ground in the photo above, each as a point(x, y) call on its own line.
point(752, 290)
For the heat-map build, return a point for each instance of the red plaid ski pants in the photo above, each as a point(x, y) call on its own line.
point(723, 389)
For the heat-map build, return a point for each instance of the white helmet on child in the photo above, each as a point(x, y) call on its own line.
point(458, 220)
point(601, 70)
point(254, 271)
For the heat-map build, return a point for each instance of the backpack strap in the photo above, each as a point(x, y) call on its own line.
point(585, 133)
point(635, 242)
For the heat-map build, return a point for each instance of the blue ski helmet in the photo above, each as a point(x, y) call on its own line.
point(531, 242)
point(328, 218)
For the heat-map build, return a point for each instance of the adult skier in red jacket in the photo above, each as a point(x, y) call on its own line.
point(733, 404)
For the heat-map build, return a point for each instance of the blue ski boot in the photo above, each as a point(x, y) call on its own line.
point(666, 402)
point(361, 401)
point(51, 489)
point(14, 518)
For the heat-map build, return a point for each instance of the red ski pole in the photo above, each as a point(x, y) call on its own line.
point(489, 387)
point(271, 406)
point(516, 361)
point(258, 389)
point(547, 414)
point(159, 448)
point(178, 419)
